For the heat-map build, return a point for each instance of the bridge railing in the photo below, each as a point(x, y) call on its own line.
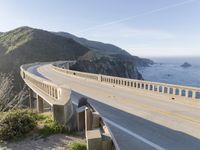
point(77, 73)
point(46, 86)
point(57, 96)
point(155, 87)
point(95, 121)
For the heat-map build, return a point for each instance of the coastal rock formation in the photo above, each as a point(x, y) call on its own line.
point(106, 66)
point(186, 65)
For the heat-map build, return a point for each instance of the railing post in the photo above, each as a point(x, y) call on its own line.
point(163, 89)
point(180, 92)
point(158, 88)
point(168, 90)
point(186, 93)
point(136, 83)
point(148, 87)
point(99, 78)
point(193, 94)
point(174, 91)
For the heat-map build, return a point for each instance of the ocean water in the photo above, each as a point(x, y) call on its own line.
point(169, 70)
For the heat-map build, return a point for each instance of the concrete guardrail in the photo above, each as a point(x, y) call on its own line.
point(176, 91)
point(57, 96)
point(97, 133)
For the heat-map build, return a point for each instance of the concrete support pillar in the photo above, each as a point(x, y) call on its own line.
point(94, 141)
point(88, 119)
point(106, 142)
point(31, 98)
point(40, 107)
point(95, 120)
point(81, 120)
point(59, 113)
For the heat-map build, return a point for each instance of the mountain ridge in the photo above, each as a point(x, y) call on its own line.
point(95, 45)
point(27, 45)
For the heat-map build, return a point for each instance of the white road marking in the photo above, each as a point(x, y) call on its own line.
point(130, 133)
point(134, 134)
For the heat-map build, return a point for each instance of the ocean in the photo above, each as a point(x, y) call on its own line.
point(169, 70)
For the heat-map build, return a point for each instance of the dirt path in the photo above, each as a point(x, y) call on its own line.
point(53, 142)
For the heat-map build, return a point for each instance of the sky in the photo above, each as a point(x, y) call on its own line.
point(146, 28)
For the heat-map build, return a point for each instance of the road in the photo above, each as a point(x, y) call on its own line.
point(138, 120)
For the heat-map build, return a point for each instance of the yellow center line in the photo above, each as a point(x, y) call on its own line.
point(143, 106)
point(166, 113)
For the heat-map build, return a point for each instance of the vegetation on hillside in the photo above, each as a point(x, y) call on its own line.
point(47, 126)
point(106, 66)
point(27, 45)
point(17, 123)
point(14, 39)
point(9, 99)
point(76, 145)
point(102, 49)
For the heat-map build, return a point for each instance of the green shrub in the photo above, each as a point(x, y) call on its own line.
point(49, 126)
point(17, 123)
point(77, 145)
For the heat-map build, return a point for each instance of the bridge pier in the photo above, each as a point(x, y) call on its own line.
point(59, 113)
point(32, 99)
point(40, 105)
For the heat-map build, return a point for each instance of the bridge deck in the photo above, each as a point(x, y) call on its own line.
point(138, 120)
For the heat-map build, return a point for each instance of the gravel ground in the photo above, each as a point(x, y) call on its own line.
point(53, 142)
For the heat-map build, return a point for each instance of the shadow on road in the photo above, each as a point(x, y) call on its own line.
point(160, 135)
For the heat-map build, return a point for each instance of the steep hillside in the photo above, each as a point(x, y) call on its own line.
point(99, 47)
point(106, 66)
point(26, 45)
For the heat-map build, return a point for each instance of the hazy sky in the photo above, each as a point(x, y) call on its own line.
point(142, 27)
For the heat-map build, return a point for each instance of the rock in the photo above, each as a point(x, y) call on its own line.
point(186, 65)
point(110, 67)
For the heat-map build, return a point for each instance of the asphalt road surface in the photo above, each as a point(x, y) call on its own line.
point(138, 120)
